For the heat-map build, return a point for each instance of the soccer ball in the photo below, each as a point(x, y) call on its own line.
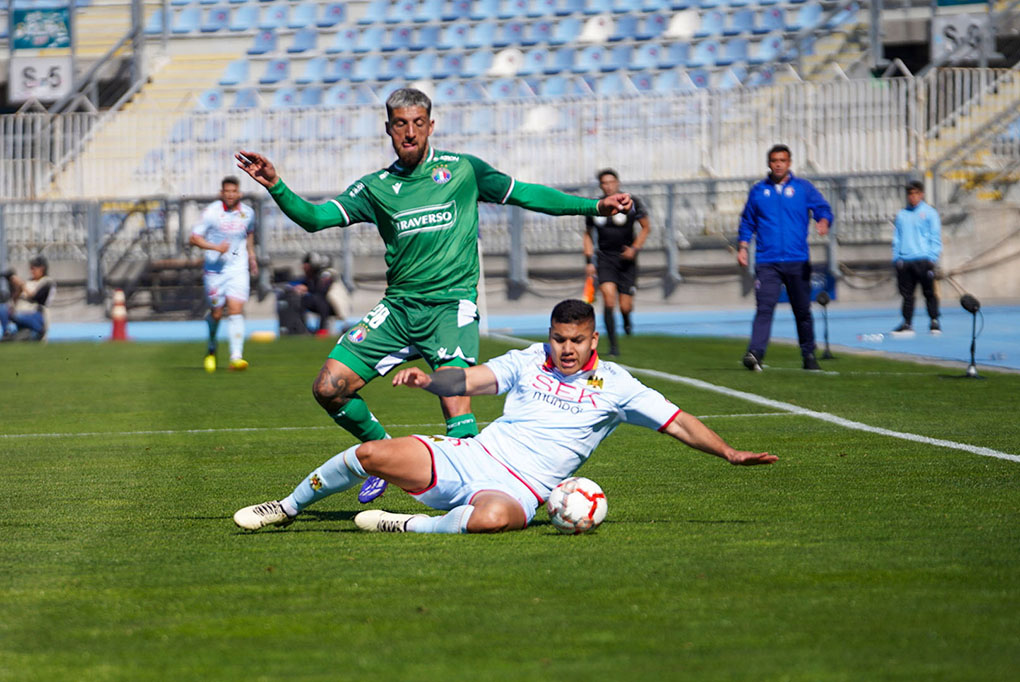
point(576, 505)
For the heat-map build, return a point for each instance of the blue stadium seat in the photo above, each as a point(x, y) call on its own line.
point(238, 2)
point(453, 36)
point(768, 50)
point(154, 26)
point(845, 17)
point(284, 98)
point(770, 20)
point(277, 70)
point(246, 98)
point(274, 16)
point(375, 12)
point(333, 14)
point(712, 24)
point(455, 10)
point(207, 2)
point(400, 11)
point(337, 96)
point(236, 73)
point(245, 18)
point(314, 71)
point(619, 58)
point(566, 31)
point(808, 16)
point(428, 10)
point(448, 91)
point(625, 28)
point(647, 56)
point(512, 9)
point(541, 8)
point(186, 21)
point(701, 78)
point(566, 7)
point(534, 62)
point(216, 19)
point(508, 88)
point(562, 61)
point(484, 10)
point(420, 66)
point(339, 69)
point(709, 4)
point(732, 78)
point(658, 6)
point(733, 52)
point(613, 84)
point(740, 22)
point(398, 38)
point(705, 53)
point(304, 15)
point(472, 91)
point(482, 34)
point(761, 77)
point(369, 39)
point(537, 33)
point(451, 65)
point(179, 3)
point(590, 59)
point(643, 81)
point(304, 41)
point(509, 33)
point(343, 41)
point(676, 55)
point(598, 6)
point(366, 69)
point(477, 63)
point(265, 43)
point(393, 67)
point(426, 37)
point(652, 26)
point(210, 100)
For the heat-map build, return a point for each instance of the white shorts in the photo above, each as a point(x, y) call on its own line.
point(462, 468)
point(219, 286)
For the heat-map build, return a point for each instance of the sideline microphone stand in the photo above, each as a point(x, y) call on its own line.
point(972, 306)
point(823, 300)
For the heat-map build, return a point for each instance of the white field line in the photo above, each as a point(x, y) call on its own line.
point(814, 414)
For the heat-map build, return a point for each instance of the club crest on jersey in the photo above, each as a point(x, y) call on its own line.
point(357, 333)
point(788, 191)
point(441, 175)
point(595, 381)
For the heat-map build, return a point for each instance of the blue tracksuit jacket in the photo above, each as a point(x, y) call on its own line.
point(779, 220)
point(917, 234)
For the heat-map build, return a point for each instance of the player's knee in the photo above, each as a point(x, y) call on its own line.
point(372, 454)
point(493, 518)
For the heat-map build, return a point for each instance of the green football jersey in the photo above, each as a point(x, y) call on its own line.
point(428, 218)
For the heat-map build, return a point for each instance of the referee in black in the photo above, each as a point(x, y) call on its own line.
point(610, 254)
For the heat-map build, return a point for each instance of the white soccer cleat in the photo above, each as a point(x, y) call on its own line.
point(261, 515)
point(379, 521)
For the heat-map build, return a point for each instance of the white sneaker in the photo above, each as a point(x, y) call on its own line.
point(261, 515)
point(377, 520)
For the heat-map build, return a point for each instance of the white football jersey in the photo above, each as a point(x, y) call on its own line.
point(552, 423)
point(220, 225)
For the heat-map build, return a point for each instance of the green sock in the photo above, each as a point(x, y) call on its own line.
point(462, 426)
point(356, 418)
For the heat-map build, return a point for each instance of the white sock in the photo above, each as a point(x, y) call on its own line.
point(235, 330)
point(453, 521)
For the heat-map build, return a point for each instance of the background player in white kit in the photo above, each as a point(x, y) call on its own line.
point(227, 235)
point(562, 401)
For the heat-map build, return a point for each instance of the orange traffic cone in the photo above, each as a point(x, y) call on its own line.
point(589, 290)
point(119, 316)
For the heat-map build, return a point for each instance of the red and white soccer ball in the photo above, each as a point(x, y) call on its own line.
point(577, 505)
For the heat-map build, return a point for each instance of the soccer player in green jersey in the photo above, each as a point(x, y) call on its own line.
point(425, 206)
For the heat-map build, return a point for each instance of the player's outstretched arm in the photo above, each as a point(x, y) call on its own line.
point(478, 380)
point(258, 167)
point(690, 430)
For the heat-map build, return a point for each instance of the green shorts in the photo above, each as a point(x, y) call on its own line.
point(402, 329)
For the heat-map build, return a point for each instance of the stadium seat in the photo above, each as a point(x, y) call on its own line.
point(613, 84)
point(709, 4)
point(277, 70)
point(760, 77)
point(845, 17)
point(543, 119)
point(477, 63)
point(566, 7)
point(541, 8)
point(238, 2)
point(455, 10)
point(566, 31)
point(343, 41)
point(216, 19)
point(562, 61)
point(618, 59)
point(484, 10)
point(590, 59)
point(808, 16)
point(508, 33)
point(658, 6)
point(304, 41)
point(369, 39)
point(210, 100)
point(339, 69)
point(453, 37)
point(647, 56)
point(398, 38)
point(642, 80)
point(314, 71)
point(303, 16)
point(676, 55)
point(534, 62)
point(179, 3)
point(770, 20)
point(512, 9)
point(393, 67)
point(624, 6)
point(712, 24)
point(245, 18)
point(337, 96)
point(701, 78)
point(420, 66)
point(624, 28)
point(705, 53)
point(482, 35)
point(731, 78)
point(400, 11)
point(333, 14)
point(375, 13)
point(596, 29)
point(508, 88)
point(652, 26)
point(740, 22)
point(186, 21)
point(448, 91)
point(246, 98)
point(506, 62)
point(683, 25)
point(428, 10)
point(274, 16)
point(537, 33)
point(366, 69)
point(472, 91)
point(154, 26)
point(236, 73)
point(768, 50)
point(425, 38)
point(284, 98)
point(451, 65)
point(265, 43)
point(598, 6)
point(733, 52)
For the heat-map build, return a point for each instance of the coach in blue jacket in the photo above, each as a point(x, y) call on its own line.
point(916, 247)
point(777, 214)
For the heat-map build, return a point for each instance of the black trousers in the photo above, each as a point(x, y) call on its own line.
point(909, 274)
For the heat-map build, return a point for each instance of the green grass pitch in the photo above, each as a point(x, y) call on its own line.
point(856, 557)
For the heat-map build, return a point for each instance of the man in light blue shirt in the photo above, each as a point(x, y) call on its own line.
point(916, 247)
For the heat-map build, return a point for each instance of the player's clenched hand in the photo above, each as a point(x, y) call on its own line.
point(615, 203)
point(413, 377)
point(744, 458)
point(258, 167)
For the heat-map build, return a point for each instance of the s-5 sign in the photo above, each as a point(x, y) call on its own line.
point(45, 78)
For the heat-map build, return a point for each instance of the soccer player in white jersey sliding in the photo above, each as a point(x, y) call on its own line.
point(562, 401)
point(226, 234)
